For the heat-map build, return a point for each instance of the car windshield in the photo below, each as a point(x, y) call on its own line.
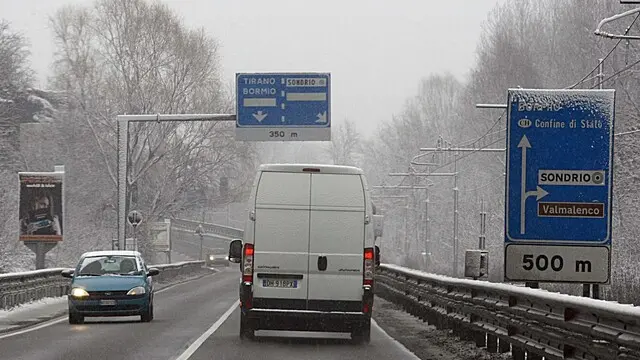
point(109, 265)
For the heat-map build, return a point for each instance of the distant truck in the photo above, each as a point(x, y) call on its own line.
point(309, 257)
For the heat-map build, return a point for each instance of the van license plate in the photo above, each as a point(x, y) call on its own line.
point(280, 283)
point(107, 302)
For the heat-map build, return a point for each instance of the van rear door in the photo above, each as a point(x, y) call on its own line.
point(281, 240)
point(336, 242)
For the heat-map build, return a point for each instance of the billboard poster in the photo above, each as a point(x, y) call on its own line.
point(41, 206)
point(160, 235)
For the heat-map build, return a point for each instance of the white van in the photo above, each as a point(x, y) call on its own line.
point(308, 258)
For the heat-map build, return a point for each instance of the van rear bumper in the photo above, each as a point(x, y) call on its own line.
point(307, 320)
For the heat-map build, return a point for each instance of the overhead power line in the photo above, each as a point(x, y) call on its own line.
point(586, 77)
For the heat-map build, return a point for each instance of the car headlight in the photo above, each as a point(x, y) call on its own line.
point(138, 290)
point(79, 292)
point(211, 257)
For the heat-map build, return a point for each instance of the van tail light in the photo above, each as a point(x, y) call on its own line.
point(368, 267)
point(247, 265)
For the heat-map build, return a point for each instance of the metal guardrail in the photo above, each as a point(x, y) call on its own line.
point(505, 318)
point(24, 287)
point(219, 230)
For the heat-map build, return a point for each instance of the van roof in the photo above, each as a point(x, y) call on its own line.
point(324, 168)
point(112, 252)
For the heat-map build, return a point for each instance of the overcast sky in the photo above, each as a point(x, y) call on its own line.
point(375, 50)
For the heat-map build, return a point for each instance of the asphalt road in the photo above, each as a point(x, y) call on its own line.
point(195, 320)
point(181, 314)
point(225, 344)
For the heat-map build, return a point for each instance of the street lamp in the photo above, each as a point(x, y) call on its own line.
point(200, 232)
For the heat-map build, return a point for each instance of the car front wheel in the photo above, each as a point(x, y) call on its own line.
point(147, 316)
point(75, 318)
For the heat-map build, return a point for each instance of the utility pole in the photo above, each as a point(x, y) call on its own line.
point(482, 241)
point(427, 248)
point(593, 290)
point(456, 151)
point(455, 214)
point(426, 187)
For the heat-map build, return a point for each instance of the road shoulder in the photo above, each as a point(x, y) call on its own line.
point(425, 341)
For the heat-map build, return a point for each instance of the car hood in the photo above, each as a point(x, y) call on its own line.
point(108, 282)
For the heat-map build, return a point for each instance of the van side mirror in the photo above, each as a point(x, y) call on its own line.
point(235, 251)
point(377, 255)
point(67, 273)
point(153, 272)
point(378, 225)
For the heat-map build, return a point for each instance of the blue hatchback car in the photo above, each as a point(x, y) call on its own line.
point(110, 283)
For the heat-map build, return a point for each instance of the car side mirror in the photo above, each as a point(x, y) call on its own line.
point(67, 273)
point(235, 251)
point(377, 255)
point(153, 272)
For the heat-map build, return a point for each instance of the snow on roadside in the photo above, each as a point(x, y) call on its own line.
point(40, 305)
point(426, 341)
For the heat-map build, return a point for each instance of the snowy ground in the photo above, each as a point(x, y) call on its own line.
point(32, 313)
point(425, 341)
point(42, 305)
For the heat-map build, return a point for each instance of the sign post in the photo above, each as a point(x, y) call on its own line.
point(42, 211)
point(559, 185)
point(134, 218)
point(200, 232)
point(283, 107)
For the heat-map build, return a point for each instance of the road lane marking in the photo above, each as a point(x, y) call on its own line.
point(199, 341)
point(37, 327)
point(410, 355)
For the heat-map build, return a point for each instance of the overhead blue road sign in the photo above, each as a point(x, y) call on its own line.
point(283, 106)
point(559, 172)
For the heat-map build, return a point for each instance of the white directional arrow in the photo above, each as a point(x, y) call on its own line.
point(524, 145)
point(539, 192)
point(322, 118)
point(260, 116)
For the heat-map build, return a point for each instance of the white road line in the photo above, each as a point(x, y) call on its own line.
point(410, 355)
point(199, 341)
point(64, 317)
point(43, 325)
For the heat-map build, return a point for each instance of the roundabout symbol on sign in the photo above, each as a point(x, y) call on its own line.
point(598, 177)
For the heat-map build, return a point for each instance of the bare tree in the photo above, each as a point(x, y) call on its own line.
point(344, 148)
point(134, 57)
point(15, 78)
point(426, 116)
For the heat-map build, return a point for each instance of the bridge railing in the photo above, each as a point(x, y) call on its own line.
point(24, 287)
point(504, 317)
point(212, 229)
